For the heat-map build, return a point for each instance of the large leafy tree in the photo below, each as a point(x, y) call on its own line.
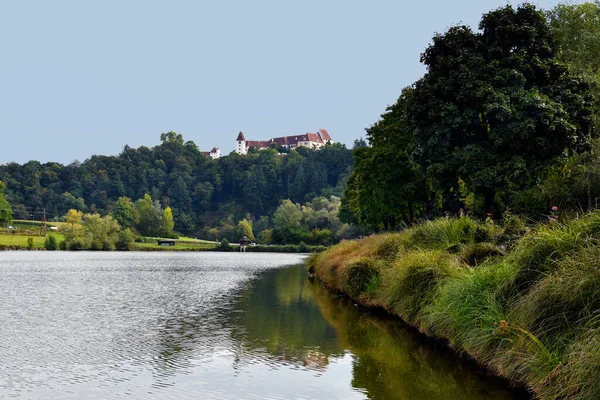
point(5, 208)
point(496, 106)
point(387, 187)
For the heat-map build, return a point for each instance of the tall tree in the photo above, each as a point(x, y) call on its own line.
point(5, 208)
point(496, 105)
point(167, 222)
point(125, 212)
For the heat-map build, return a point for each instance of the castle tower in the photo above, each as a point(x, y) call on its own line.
point(241, 144)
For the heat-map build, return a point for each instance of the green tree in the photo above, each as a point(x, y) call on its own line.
point(497, 106)
point(125, 240)
point(5, 208)
point(150, 216)
point(167, 222)
point(50, 243)
point(125, 212)
point(73, 230)
point(286, 220)
point(100, 233)
point(244, 228)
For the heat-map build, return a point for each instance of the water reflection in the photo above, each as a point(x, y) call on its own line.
point(296, 321)
point(106, 325)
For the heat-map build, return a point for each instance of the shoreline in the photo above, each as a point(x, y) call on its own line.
point(521, 305)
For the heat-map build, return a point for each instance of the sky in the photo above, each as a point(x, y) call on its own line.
point(79, 78)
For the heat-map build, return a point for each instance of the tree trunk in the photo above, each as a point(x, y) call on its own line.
point(589, 192)
point(429, 206)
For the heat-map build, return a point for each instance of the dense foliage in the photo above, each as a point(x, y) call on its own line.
point(5, 207)
point(188, 193)
point(498, 116)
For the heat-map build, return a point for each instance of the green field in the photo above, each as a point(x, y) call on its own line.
point(21, 240)
point(182, 243)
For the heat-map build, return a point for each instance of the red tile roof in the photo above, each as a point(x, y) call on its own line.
point(322, 136)
point(325, 135)
point(257, 143)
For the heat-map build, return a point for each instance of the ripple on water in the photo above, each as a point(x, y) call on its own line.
point(197, 325)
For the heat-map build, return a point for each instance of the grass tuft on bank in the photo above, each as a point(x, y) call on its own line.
point(526, 304)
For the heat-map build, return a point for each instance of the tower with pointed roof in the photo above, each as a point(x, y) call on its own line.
point(241, 144)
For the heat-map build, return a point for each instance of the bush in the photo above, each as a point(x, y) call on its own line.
point(125, 240)
point(63, 245)
point(75, 244)
point(50, 243)
point(224, 245)
point(29, 243)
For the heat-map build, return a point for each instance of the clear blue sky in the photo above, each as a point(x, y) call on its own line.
point(79, 78)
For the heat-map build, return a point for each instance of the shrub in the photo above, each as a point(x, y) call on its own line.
point(125, 240)
point(30, 243)
point(75, 244)
point(50, 243)
point(63, 245)
point(224, 245)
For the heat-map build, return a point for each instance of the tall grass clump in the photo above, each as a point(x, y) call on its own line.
point(414, 279)
point(474, 254)
point(578, 378)
point(448, 233)
point(537, 254)
point(566, 299)
point(357, 275)
point(468, 309)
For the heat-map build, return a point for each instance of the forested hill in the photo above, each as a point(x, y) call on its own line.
point(201, 192)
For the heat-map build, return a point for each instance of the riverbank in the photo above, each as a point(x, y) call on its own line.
point(20, 242)
point(524, 303)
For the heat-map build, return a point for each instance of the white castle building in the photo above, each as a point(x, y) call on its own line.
point(312, 140)
point(214, 153)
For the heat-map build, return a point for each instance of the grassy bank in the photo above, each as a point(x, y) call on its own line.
point(524, 304)
point(19, 242)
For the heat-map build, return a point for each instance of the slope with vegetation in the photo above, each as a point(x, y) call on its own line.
point(206, 198)
point(504, 121)
point(524, 306)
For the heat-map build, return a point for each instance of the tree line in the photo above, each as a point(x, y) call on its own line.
point(202, 197)
point(504, 119)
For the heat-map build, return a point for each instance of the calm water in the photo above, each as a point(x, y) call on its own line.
point(206, 325)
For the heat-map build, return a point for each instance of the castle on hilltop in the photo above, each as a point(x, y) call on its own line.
point(312, 140)
point(214, 153)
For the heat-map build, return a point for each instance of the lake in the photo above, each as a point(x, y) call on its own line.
point(169, 325)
